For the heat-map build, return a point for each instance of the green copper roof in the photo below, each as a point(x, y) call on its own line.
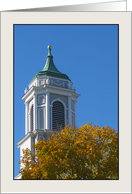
point(50, 69)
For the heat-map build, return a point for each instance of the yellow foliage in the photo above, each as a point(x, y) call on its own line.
point(88, 152)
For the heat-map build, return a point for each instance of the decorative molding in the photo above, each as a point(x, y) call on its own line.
point(42, 89)
point(25, 91)
point(41, 82)
point(57, 84)
point(41, 99)
point(60, 79)
point(39, 132)
point(29, 134)
point(59, 90)
point(32, 134)
point(51, 89)
point(69, 85)
point(47, 81)
point(41, 105)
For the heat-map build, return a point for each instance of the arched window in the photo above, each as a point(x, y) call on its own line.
point(58, 115)
point(31, 118)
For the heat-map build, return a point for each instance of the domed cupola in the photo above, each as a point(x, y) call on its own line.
point(50, 69)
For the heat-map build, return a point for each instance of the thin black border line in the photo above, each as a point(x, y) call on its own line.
point(65, 24)
point(118, 100)
point(13, 105)
point(0, 102)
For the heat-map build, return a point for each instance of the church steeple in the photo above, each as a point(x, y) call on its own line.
point(50, 104)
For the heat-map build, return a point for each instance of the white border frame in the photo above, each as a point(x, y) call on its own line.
point(123, 185)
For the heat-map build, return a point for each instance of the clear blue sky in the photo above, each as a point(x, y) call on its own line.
point(88, 54)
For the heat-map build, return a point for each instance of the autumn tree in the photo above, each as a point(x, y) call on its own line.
point(89, 152)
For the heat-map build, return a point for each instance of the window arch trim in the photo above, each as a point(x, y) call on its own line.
point(64, 110)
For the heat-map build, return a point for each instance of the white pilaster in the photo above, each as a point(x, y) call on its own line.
point(69, 110)
point(47, 111)
point(35, 111)
point(26, 118)
point(29, 123)
point(75, 116)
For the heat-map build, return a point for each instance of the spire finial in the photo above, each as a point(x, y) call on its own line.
point(49, 49)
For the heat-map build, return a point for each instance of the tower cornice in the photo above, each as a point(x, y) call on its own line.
point(52, 89)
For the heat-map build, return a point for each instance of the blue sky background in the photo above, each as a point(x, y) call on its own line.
point(88, 54)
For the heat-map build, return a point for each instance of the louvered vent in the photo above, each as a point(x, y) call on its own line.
point(31, 117)
point(58, 116)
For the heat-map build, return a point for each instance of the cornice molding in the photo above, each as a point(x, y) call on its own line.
point(34, 89)
point(24, 138)
point(33, 134)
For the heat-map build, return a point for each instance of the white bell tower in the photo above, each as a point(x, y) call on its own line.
point(50, 104)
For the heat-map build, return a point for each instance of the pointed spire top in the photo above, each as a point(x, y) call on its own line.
point(49, 66)
point(49, 49)
point(50, 69)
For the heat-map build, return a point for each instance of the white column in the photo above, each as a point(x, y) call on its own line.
point(75, 116)
point(26, 118)
point(35, 112)
point(29, 123)
point(47, 111)
point(69, 110)
point(36, 123)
